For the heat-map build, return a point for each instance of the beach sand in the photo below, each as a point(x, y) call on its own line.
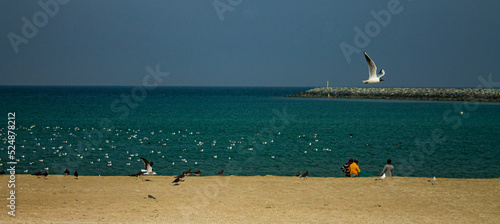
point(256, 199)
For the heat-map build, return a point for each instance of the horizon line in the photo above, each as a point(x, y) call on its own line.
point(237, 86)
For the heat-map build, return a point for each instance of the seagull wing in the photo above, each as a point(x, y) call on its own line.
point(381, 73)
point(372, 68)
point(146, 163)
point(381, 177)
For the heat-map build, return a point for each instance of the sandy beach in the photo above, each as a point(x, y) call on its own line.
point(256, 199)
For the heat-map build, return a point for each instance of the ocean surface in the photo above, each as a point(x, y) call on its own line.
point(245, 131)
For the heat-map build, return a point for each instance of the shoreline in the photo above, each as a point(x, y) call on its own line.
point(251, 199)
point(433, 94)
point(230, 175)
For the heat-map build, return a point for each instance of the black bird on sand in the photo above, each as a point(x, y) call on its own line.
point(66, 172)
point(221, 172)
point(3, 172)
point(197, 172)
point(181, 176)
point(306, 174)
point(46, 173)
point(176, 181)
point(188, 172)
point(76, 174)
point(298, 175)
point(39, 173)
point(136, 174)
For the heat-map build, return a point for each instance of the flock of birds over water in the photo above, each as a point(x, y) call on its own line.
point(38, 147)
point(47, 145)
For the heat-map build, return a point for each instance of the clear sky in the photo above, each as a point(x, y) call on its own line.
point(249, 42)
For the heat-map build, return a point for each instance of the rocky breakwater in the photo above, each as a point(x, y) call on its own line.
point(446, 94)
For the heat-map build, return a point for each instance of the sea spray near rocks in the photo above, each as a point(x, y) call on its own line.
point(445, 94)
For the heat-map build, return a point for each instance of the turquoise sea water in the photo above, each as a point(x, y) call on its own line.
point(246, 131)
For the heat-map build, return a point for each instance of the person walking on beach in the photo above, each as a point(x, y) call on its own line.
point(388, 169)
point(354, 168)
point(346, 168)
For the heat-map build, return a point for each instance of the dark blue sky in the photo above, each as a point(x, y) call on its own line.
point(255, 42)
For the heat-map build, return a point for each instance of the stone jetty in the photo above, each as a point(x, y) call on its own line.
point(446, 94)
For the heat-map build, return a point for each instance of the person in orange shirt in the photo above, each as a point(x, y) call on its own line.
point(354, 168)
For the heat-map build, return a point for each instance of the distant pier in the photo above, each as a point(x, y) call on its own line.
point(445, 94)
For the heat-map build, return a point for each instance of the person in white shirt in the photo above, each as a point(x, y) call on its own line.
point(388, 169)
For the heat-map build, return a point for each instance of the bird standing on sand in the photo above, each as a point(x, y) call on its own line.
point(39, 173)
point(432, 180)
point(75, 174)
point(298, 175)
point(381, 177)
point(181, 176)
point(306, 174)
point(66, 172)
point(176, 181)
point(148, 167)
point(372, 70)
point(3, 172)
point(221, 172)
point(197, 172)
point(46, 173)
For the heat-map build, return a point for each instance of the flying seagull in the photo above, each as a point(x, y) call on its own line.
point(148, 167)
point(381, 177)
point(432, 180)
point(372, 69)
